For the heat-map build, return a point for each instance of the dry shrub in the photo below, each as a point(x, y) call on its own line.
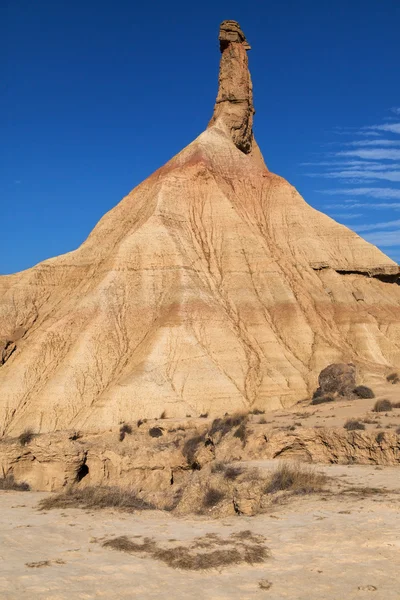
point(369, 421)
point(163, 414)
point(382, 406)
point(297, 479)
point(141, 422)
point(96, 498)
point(190, 448)
point(257, 411)
point(226, 424)
point(218, 467)
point(212, 497)
point(362, 391)
point(155, 432)
point(380, 437)
point(322, 399)
point(214, 553)
point(354, 425)
point(124, 430)
point(204, 415)
point(241, 433)
point(264, 584)
point(232, 473)
point(395, 404)
point(398, 431)
point(393, 378)
point(8, 483)
point(26, 437)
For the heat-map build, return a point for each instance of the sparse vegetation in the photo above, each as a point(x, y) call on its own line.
point(204, 415)
point(124, 430)
point(155, 432)
point(190, 448)
point(382, 406)
point(297, 479)
point(380, 437)
point(241, 433)
point(362, 391)
point(395, 404)
point(96, 498)
point(369, 421)
point(26, 437)
point(212, 497)
point(141, 422)
point(163, 414)
point(393, 378)
point(226, 424)
point(8, 483)
point(264, 584)
point(257, 411)
point(354, 425)
point(214, 553)
point(322, 399)
point(232, 473)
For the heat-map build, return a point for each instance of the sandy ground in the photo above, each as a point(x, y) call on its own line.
point(334, 546)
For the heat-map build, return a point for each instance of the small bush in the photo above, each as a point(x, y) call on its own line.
point(212, 497)
point(380, 437)
point(232, 473)
point(322, 399)
point(226, 424)
point(8, 483)
point(382, 406)
point(262, 421)
point(26, 437)
point(204, 415)
point(353, 425)
point(296, 479)
point(395, 404)
point(190, 448)
point(241, 433)
point(362, 391)
point(393, 378)
point(163, 414)
point(155, 432)
point(257, 411)
point(124, 430)
point(141, 422)
point(218, 467)
point(96, 498)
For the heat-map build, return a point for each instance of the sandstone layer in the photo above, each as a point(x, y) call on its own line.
point(212, 286)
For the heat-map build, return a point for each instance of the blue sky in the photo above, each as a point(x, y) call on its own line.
point(97, 95)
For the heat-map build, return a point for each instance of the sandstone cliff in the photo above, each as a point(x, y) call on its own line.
point(212, 286)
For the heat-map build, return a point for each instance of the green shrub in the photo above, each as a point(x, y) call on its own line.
point(362, 391)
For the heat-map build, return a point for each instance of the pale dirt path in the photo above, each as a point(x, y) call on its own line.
point(321, 549)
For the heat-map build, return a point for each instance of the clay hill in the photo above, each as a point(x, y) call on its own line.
point(212, 286)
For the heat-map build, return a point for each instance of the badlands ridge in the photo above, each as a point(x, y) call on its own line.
point(212, 286)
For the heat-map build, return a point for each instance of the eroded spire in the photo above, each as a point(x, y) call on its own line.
point(234, 108)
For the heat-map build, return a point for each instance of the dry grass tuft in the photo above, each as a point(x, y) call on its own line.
point(96, 498)
point(26, 437)
point(232, 473)
point(354, 425)
point(362, 391)
point(212, 497)
point(382, 406)
point(322, 399)
point(393, 378)
point(190, 448)
point(163, 414)
point(8, 483)
point(204, 415)
point(264, 584)
point(256, 411)
point(296, 479)
point(226, 424)
point(124, 430)
point(207, 552)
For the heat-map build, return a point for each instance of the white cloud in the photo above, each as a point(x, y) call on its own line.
point(372, 153)
point(346, 215)
point(350, 204)
point(395, 110)
point(391, 127)
point(384, 193)
point(374, 143)
point(359, 175)
point(372, 226)
point(384, 238)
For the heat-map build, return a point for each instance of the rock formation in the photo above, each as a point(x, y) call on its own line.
point(211, 287)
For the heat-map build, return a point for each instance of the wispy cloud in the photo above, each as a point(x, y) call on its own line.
point(345, 215)
point(379, 142)
point(390, 127)
point(384, 238)
point(372, 226)
point(359, 175)
point(372, 153)
point(391, 205)
point(395, 110)
point(384, 193)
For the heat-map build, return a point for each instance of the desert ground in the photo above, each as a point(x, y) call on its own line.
point(338, 544)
